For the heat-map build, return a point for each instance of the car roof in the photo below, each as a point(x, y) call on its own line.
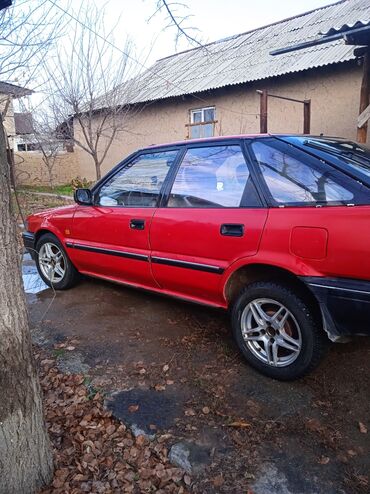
point(229, 138)
point(207, 139)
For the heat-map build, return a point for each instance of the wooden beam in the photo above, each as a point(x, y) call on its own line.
point(364, 97)
point(364, 117)
point(307, 116)
point(263, 111)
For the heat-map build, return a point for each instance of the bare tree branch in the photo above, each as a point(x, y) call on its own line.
point(178, 20)
point(89, 85)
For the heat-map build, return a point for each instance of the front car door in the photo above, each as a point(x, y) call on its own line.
point(212, 216)
point(111, 238)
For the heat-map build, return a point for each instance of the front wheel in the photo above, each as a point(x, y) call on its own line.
point(53, 263)
point(277, 331)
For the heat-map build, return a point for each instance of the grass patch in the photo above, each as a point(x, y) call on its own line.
point(65, 190)
point(92, 391)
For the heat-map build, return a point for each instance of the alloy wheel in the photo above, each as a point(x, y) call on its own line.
point(271, 332)
point(52, 262)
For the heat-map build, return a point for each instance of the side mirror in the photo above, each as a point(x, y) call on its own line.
point(83, 197)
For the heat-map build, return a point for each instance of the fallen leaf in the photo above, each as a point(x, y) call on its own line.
point(187, 479)
point(133, 408)
point(218, 481)
point(166, 368)
point(70, 348)
point(324, 460)
point(240, 423)
point(159, 387)
point(362, 428)
point(189, 412)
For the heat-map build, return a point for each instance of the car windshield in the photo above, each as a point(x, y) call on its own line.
point(355, 156)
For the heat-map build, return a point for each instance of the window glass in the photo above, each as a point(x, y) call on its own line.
point(208, 130)
point(354, 155)
point(209, 114)
point(197, 116)
point(204, 119)
point(210, 177)
point(195, 131)
point(138, 184)
point(291, 180)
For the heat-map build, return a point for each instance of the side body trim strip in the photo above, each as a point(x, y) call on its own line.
point(111, 252)
point(208, 268)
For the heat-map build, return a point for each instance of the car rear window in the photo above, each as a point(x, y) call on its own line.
point(351, 156)
point(293, 177)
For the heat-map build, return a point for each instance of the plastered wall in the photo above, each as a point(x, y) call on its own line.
point(333, 90)
point(30, 169)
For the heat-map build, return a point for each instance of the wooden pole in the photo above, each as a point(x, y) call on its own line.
point(263, 111)
point(307, 116)
point(364, 97)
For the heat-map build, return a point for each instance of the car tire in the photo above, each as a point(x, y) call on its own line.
point(277, 330)
point(53, 263)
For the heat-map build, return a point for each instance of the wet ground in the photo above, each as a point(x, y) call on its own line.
point(171, 367)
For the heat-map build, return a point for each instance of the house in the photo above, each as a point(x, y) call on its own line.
point(212, 90)
point(24, 132)
point(8, 93)
point(28, 137)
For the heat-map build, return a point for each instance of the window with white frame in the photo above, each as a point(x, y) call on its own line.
point(202, 122)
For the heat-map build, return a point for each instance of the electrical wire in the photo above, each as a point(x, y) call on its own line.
point(149, 69)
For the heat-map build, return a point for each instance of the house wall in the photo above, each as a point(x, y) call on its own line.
point(333, 90)
point(9, 123)
point(30, 169)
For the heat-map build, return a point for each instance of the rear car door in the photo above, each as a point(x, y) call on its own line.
point(111, 237)
point(211, 217)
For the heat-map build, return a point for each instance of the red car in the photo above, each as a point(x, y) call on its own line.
point(275, 228)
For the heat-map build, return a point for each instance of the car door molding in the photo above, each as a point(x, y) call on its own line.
point(208, 268)
point(111, 252)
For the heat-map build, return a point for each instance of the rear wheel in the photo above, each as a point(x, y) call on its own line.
point(277, 331)
point(53, 263)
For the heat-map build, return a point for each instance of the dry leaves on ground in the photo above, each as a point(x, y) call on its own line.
point(94, 452)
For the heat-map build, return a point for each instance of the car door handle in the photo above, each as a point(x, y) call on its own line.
point(137, 224)
point(232, 230)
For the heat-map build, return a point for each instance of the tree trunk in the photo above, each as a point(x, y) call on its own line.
point(97, 167)
point(25, 452)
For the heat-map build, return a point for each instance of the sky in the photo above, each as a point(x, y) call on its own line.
point(153, 38)
point(213, 20)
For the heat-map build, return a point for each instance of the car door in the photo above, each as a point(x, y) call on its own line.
point(111, 238)
point(212, 216)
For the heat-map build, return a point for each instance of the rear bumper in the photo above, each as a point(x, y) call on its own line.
point(344, 303)
point(29, 242)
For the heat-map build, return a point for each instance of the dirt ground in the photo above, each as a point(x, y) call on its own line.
point(178, 363)
point(171, 368)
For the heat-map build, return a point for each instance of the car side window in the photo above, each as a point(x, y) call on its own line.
point(214, 176)
point(139, 182)
point(292, 180)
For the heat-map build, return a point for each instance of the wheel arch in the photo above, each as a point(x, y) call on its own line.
point(250, 273)
point(44, 231)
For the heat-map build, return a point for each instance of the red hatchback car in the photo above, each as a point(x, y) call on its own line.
point(275, 228)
